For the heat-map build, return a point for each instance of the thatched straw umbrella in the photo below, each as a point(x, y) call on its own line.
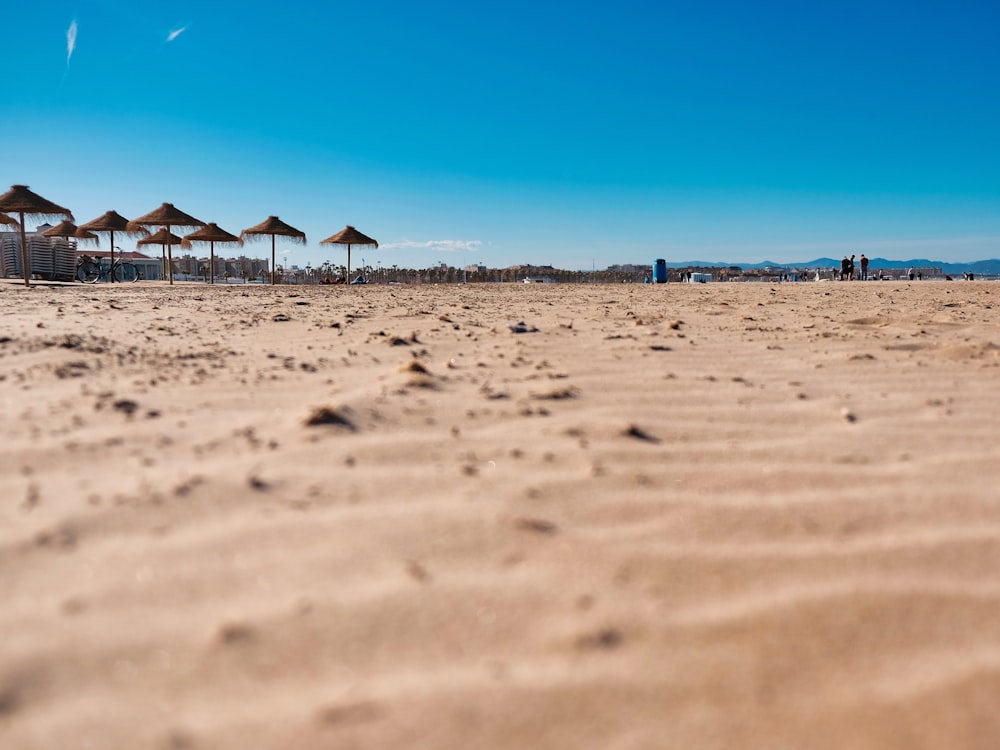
point(349, 236)
point(210, 233)
point(273, 226)
point(68, 230)
point(166, 216)
point(111, 222)
point(163, 238)
point(19, 200)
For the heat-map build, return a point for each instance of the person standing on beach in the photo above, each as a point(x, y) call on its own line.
point(864, 267)
point(850, 270)
point(845, 267)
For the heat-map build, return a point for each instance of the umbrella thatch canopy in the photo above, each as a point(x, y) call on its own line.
point(210, 233)
point(161, 237)
point(67, 229)
point(349, 236)
point(8, 221)
point(19, 200)
point(111, 222)
point(273, 226)
point(167, 215)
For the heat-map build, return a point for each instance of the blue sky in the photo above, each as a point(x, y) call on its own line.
point(567, 134)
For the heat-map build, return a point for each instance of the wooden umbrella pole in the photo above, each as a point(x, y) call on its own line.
point(211, 261)
point(112, 270)
point(170, 259)
point(273, 282)
point(24, 252)
point(348, 279)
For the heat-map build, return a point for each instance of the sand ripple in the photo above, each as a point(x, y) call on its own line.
point(500, 516)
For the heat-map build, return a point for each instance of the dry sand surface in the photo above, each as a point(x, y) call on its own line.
point(683, 516)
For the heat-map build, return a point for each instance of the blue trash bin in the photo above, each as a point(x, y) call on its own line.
point(660, 271)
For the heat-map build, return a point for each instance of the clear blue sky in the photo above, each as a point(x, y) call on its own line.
point(575, 134)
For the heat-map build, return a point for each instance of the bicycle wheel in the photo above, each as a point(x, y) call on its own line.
point(88, 272)
point(126, 272)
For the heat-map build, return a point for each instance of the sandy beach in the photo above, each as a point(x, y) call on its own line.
point(500, 516)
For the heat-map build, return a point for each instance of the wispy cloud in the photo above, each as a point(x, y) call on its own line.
point(70, 41)
point(176, 33)
point(441, 246)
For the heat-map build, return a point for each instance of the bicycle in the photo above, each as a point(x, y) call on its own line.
point(91, 270)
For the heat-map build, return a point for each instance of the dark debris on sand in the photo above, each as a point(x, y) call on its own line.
point(522, 327)
point(327, 415)
point(634, 431)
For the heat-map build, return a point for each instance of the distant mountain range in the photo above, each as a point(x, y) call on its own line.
point(991, 266)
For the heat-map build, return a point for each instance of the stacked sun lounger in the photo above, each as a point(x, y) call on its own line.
point(48, 260)
point(9, 257)
point(63, 260)
point(40, 256)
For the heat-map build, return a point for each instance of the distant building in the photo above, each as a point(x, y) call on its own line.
point(247, 268)
point(528, 271)
point(628, 268)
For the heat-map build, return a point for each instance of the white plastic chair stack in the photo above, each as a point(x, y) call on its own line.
point(40, 256)
point(10, 257)
point(63, 260)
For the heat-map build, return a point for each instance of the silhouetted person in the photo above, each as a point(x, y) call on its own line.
point(864, 267)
